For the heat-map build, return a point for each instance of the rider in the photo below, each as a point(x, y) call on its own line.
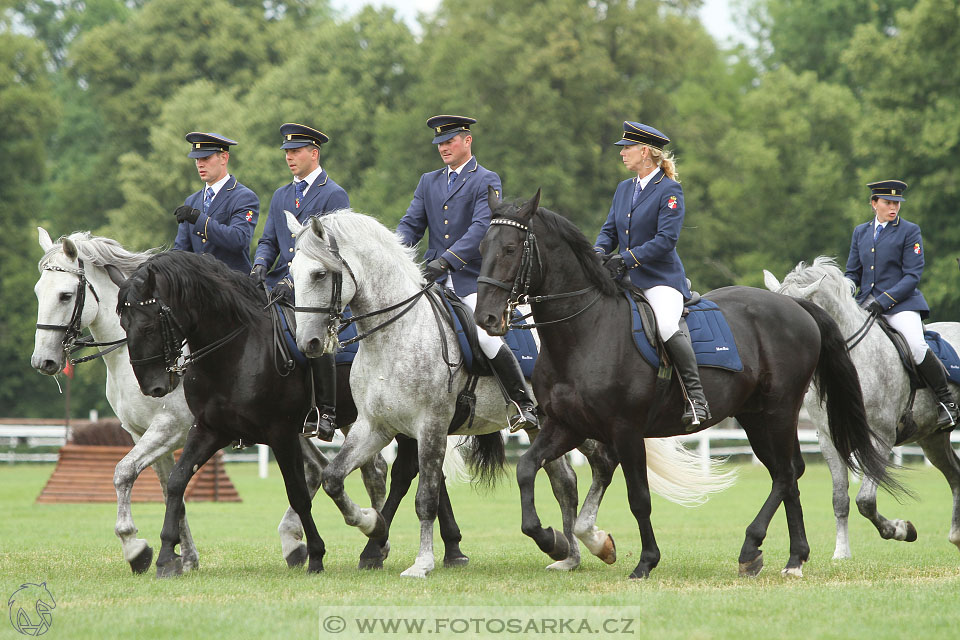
point(452, 203)
point(311, 193)
point(220, 218)
point(644, 222)
point(885, 263)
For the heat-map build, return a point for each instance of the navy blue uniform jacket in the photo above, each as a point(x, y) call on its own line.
point(457, 220)
point(890, 270)
point(647, 233)
point(277, 243)
point(225, 230)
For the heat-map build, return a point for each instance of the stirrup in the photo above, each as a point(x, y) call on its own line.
point(950, 411)
point(695, 421)
point(516, 421)
point(238, 445)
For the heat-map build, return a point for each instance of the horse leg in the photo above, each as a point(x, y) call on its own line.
point(431, 448)
point(602, 465)
point(402, 473)
point(936, 447)
point(799, 547)
point(289, 454)
point(154, 447)
point(841, 492)
point(867, 502)
point(631, 451)
point(563, 481)
point(201, 444)
point(374, 474)
point(189, 556)
point(360, 445)
point(553, 441)
point(449, 531)
point(291, 529)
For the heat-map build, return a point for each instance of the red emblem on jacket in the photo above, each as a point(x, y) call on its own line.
point(916, 248)
point(249, 216)
point(672, 202)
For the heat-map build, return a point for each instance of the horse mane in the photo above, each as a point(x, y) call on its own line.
point(581, 248)
point(368, 236)
point(825, 269)
point(98, 251)
point(199, 284)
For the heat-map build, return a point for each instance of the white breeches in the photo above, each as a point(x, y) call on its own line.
point(910, 325)
point(667, 305)
point(490, 345)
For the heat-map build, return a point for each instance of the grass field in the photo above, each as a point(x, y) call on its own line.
point(244, 589)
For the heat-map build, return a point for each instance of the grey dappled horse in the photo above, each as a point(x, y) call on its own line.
point(886, 389)
point(400, 384)
point(79, 278)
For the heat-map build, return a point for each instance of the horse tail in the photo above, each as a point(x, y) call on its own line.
point(454, 466)
point(486, 457)
point(837, 382)
point(681, 475)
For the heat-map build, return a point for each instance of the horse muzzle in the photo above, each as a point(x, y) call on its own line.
point(493, 325)
point(47, 366)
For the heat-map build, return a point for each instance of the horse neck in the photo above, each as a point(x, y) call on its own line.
point(105, 326)
point(845, 311)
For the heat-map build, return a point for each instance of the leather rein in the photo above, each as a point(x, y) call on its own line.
point(520, 286)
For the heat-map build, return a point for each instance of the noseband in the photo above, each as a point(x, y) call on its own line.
point(523, 279)
point(72, 342)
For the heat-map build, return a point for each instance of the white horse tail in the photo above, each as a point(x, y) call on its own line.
point(681, 475)
point(454, 466)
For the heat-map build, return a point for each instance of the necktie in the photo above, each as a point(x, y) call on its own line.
point(300, 186)
point(207, 197)
point(636, 192)
point(451, 180)
point(876, 233)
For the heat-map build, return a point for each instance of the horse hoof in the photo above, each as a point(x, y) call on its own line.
point(297, 557)
point(911, 533)
point(456, 561)
point(142, 561)
point(561, 548)
point(315, 567)
point(752, 568)
point(170, 569)
point(609, 551)
point(640, 574)
point(370, 562)
point(792, 572)
point(415, 572)
point(568, 564)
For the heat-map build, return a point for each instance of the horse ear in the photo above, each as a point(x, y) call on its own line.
point(771, 281)
point(534, 203)
point(115, 274)
point(45, 242)
point(317, 227)
point(70, 249)
point(493, 197)
point(292, 223)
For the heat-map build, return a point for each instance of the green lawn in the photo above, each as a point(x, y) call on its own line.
point(244, 589)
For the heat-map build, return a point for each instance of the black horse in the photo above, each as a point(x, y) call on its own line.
point(237, 389)
point(592, 382)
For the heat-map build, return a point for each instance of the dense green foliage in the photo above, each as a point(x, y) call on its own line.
point(774, 141)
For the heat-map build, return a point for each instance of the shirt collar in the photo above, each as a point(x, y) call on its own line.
point(459, 169)
point(877, 223)
point(216, 186)
point(311, 178)
point(644, 181)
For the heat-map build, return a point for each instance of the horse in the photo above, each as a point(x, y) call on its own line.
point(79, 281)
point(221, 316)
point(593, 383)
point(886, 394)
point(404, 380)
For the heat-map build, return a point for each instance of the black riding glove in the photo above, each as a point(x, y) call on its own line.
point(615, 265)
point(258, 273)
point(187, 214)
point(436, 269)
point(876, 308)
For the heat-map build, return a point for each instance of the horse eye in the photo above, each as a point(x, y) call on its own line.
point(319, 275)
point(509, 249)
point(66, 296)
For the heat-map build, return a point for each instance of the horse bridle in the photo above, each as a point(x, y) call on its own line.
point(519, 289)
point(72, 340)
point(335, 322)
point(173, 338)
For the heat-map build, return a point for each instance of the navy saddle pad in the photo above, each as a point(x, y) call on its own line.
point(520, 341)
point(948, 356)
point(345, 355)
point(712, 340)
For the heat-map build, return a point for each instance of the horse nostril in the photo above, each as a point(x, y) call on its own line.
point(314, 345)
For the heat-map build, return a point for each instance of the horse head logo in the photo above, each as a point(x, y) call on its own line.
point(30, 608)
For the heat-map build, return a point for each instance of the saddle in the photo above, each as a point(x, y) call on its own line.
point(287, 353)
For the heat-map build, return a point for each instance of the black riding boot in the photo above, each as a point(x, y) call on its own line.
point(322, 419)
point(935, 376)
point(684, 360)
point(507, 370)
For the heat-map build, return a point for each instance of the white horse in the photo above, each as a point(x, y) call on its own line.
point(886, 391)
point(79, 276)
point(400, 385)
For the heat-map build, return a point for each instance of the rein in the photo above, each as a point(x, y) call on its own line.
point(72, 340)
point(521, 282)
point(862, 332)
